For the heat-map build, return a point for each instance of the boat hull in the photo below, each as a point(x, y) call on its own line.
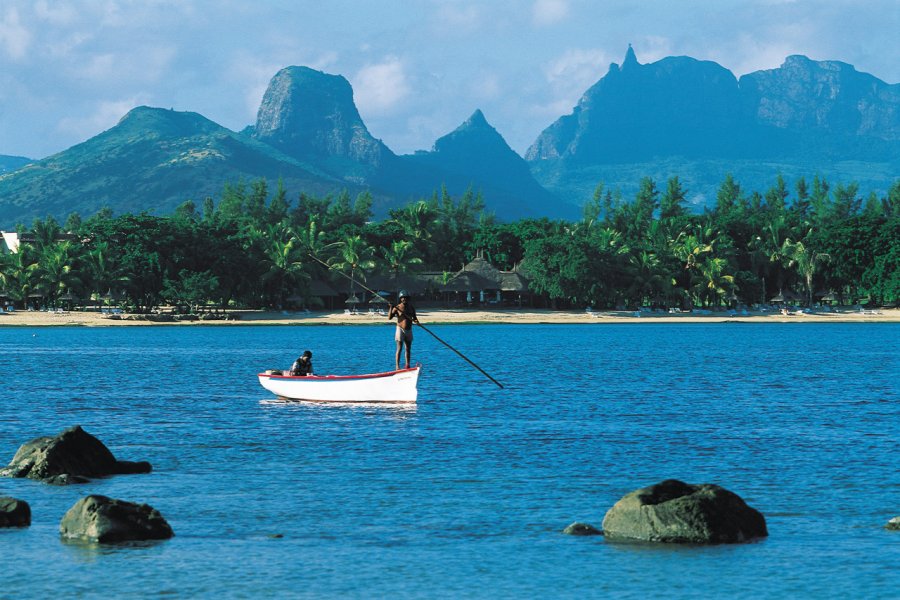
point(392, 386)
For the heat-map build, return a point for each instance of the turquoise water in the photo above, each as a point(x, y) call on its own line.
point(465, 494)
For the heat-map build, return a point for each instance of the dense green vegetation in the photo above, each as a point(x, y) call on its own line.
point(252, 248)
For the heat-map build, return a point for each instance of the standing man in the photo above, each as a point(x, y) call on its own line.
point(406, 316)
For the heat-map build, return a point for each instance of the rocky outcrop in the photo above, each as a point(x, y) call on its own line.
point(106, 520)
point(14, 512)
point(676, 512)
point(893, 524)
point(829, 96)
point(69, 457)
point(577, 528)
point(311, 115)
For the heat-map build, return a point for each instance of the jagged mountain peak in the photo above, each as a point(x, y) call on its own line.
point(475, 155)
point(473, 135)
point(630, 59)
point(476, 120)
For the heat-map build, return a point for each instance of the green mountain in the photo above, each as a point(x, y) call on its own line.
point(152, 160)
point(308, 133)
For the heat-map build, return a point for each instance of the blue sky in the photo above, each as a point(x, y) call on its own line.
point(71, 69)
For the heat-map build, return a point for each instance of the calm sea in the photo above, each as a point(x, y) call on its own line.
point(465, 494)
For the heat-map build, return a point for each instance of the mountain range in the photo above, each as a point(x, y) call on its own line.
point(677, 116)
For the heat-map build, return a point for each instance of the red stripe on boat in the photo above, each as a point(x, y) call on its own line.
point(338, 377)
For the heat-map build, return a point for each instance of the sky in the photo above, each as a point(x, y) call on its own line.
point(419, 68)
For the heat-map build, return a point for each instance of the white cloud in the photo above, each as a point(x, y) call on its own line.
point(14, 36)
point(67, 45)
point(754, 54)
point(57, 13)
point(459, 18)
point(549, 12)
point(652, 48)
point(380, 87)
point(486, 86)
point(580, 68)
point(107, 114)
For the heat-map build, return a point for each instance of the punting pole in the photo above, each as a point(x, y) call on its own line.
point(434, 335)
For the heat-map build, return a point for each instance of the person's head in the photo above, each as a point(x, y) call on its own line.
point(404, 296)
point(307, 355)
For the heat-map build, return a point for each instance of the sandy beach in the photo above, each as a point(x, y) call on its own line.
point(449, 316)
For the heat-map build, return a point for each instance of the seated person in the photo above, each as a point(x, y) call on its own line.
point(303, 365)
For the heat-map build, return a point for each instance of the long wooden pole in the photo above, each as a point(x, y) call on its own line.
point(434, 335)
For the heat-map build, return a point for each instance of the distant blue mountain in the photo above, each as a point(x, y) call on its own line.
point(681, 116)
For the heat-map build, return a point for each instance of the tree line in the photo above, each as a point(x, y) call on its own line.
point(253, 248)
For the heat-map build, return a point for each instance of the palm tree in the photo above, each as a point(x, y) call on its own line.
point(356, 254)
point(102, 272)
point(18, 273)
point(806, 260)
point(416, 220)
point(283, 265)
point(647, 276)
point(775, 234)
point(312, 241)
point(398, 257)
point(715, 283)
point(690, 248)
point(55, 270)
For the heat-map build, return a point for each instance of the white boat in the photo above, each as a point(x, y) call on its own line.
point(392, 386)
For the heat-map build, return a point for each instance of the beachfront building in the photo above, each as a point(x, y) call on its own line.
point(10, 242)
point(477, 284)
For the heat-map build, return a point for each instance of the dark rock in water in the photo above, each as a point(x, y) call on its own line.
point(581, 529)
point(893, 524)
point(70, 457)
point(677, 512)
point(14, 512)
point(107, 520)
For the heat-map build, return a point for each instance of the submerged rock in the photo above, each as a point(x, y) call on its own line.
point(676, 512)
point(69, 457)
point(577, 528)
point(107, 520)
point(14, 512)
point(893, 524)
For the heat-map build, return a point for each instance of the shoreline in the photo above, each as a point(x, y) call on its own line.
point(446, 317)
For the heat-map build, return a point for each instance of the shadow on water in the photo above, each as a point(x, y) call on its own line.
point(86, 551)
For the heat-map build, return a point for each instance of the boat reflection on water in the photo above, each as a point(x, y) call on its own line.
point(397, 408)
